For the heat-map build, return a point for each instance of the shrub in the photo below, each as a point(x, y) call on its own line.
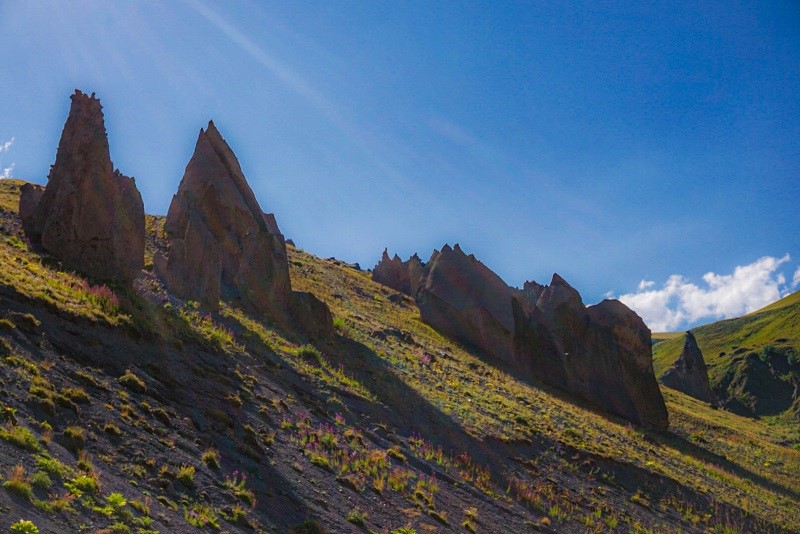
point(201, 515)
point(86, 378)
point(309, 352)
point(20, 436)
point(83, 484)
point(211, 458)
point(356, 516)
point(52, 467)
point(132, 382)
point(73, 438)
point(24, 526)
point(186, 475)
point(19, 483)
point(76, 395)
point(40, 480)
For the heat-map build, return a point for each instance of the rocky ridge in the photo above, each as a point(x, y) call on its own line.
point(600, 353)
point(400, 275)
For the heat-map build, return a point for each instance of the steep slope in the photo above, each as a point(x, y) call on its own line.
point(753, 363)
point(129, 410)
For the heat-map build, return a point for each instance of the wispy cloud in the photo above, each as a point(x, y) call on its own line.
point(292, 79)
point(680, 302)
point(6, 173)
point(5, 146)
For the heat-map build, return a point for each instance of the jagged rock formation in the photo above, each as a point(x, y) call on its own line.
point(689, 373)
point(600, 353)
point(221, 245)
point(220, 242)
point(460, 296)
point(89, 216)
point(400, 275)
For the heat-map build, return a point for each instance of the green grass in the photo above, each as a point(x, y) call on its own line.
point(777, 324)
point(732, 460)
point(489, 404)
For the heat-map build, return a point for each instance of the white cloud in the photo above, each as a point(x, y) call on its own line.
point(6, 172)
point(796, 278)
point(646, 284)
point(680, 302)
point(6, 146)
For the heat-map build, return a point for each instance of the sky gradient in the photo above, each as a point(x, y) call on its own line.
point(634, 149)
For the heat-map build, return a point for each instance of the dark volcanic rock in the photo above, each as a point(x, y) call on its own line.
point(89, 216)
point(221, 245)
point(689, 373)
point(461, 297)
point(400, 275)
point(600, 353)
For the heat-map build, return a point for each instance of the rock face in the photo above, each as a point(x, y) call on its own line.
point(220, 242)
point(460, 296)
point(221, 245)
point(311, 315)
point(689, 373)
point(89, 216)
point(600, 353)
point(400, 275)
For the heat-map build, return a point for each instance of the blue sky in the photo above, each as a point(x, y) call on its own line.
point(621, 145)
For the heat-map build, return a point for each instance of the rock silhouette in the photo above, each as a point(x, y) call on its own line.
point(400, 275)
point(89, 216)
point(600, 353)
point(689, 373)
point(221, 245)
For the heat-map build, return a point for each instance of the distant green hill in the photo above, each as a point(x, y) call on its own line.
point(752, 360)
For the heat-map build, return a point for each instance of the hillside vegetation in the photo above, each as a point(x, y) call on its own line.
point(752, 360)
point(132, 411)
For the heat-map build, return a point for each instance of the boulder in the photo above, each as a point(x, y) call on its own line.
point(220, 243)
point(689, 373)
point(402, 276)
point(461, 297)
point(29, 198)
point(89, 216)
point(310, 315)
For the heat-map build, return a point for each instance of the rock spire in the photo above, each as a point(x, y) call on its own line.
point(89, 216)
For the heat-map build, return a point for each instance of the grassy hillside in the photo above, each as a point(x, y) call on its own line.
point(752, 360)
point(145, 414)
point(777, 324)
